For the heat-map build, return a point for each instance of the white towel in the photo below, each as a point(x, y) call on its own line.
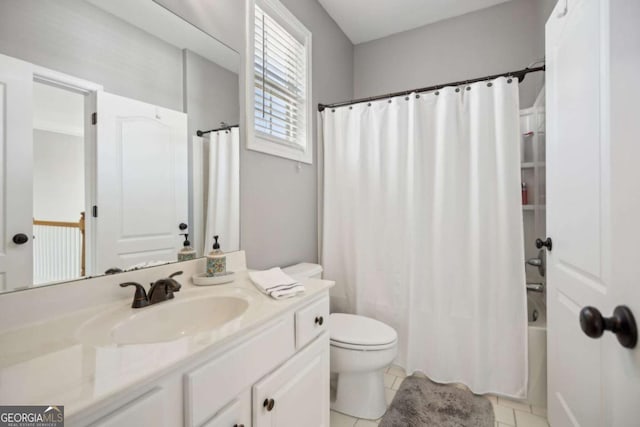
point(275, 283)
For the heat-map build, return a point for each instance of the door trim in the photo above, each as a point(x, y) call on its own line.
point(89, 89)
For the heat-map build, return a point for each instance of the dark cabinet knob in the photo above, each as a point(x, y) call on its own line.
point(544, 243)
point(269, 404)
point(238, 425)
point(20, 239)
point(183, 226)
point(319, 320)
point(622, 323)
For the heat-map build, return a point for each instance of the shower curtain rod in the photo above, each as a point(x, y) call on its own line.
point(225, 127)
point(520, 74)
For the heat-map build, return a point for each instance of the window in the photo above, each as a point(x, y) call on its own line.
point(279, 86)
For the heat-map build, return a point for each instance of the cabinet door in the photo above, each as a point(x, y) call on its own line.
point(297, 394)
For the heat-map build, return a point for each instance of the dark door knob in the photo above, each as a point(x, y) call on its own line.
point(544, 243)
point(622, 323)
point(269, 404)
point(182, 226)
point(319, 320)
point(20, 239)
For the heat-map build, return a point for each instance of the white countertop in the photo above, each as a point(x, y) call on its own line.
point(46, 364)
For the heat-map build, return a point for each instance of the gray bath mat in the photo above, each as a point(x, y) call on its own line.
point(420, 402)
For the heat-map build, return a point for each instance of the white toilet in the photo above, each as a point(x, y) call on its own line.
point(361, 349)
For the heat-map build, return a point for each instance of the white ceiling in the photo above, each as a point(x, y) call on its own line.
point(365, 20)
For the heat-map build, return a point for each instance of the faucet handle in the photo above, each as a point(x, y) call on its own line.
point(140, 297)
point(177, 273)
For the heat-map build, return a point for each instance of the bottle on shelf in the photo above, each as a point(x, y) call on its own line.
point(525, 194)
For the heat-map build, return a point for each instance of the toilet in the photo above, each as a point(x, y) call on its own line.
point(361, 349)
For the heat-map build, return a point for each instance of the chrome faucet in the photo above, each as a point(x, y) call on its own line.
point(161, 290)
point(538, 262)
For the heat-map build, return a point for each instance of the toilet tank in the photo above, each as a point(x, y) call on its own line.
point(304, 270)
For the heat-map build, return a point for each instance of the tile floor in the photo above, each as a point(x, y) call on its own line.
point(508, 413)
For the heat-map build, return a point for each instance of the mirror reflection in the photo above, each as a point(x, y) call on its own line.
point(120, 136)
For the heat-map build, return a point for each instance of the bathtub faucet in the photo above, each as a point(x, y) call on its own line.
point(535, 287)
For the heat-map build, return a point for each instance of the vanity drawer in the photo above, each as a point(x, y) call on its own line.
point(209, 387)
point(311, 321)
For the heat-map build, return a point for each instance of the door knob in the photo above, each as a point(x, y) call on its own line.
point(269, 404)
point(622, 323)
point(544, 243)
point(319, 320)
point(20, 239)
point(182, 226)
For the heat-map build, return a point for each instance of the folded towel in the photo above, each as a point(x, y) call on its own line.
point(275, 283)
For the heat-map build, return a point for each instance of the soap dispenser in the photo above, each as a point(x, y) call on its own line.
point(216, 260)
point(187, 252)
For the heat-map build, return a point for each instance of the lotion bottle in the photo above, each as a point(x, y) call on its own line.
point(187, 252)
point(216, 260)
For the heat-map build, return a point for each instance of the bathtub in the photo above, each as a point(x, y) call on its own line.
point(537, 315)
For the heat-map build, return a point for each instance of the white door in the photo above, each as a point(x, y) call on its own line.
point(141, 182)
point(16, 179)
point(297, 394)
point(593, 209)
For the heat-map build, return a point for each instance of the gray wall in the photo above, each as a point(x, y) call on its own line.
point(79, 39)
point(222, 19)
point(502, 38)
point(58, 176)
point(211, 93)
point(278, 203)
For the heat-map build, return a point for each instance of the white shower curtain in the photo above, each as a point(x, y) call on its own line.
point(422, 226)
point(223, 194)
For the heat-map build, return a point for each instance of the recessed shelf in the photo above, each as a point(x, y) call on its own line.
point(532, 207)
point(529, 165)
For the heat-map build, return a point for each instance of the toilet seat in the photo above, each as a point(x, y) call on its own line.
point(363, 347)
point(355, 332)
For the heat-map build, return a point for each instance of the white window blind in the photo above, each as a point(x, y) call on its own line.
point(279, 83)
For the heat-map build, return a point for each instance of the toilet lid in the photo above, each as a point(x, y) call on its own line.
point(360, 330)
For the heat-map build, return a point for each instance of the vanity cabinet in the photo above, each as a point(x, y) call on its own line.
point(297, 393)
point(274, 375)
point(209, 387)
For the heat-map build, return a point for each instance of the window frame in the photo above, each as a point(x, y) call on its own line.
point(263, 143)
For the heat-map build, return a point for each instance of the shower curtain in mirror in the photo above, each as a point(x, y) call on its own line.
point(422, 227)
point(223, 194)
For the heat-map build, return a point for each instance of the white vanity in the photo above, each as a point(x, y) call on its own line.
point(213, 356)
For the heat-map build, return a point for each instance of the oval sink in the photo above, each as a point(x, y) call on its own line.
point(165, 321)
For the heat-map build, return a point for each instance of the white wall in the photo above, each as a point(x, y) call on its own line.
point(501, 38)
point(58, 176)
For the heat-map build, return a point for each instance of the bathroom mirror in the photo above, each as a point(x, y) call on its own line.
point(118, 124)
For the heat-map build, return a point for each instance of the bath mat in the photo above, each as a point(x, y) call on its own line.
point(420, 402)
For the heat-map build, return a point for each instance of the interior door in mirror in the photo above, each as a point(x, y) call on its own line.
point(141, 182)
point(16, 158)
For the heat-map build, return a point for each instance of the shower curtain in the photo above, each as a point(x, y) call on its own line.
point(422, 226)
point(223, 193)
